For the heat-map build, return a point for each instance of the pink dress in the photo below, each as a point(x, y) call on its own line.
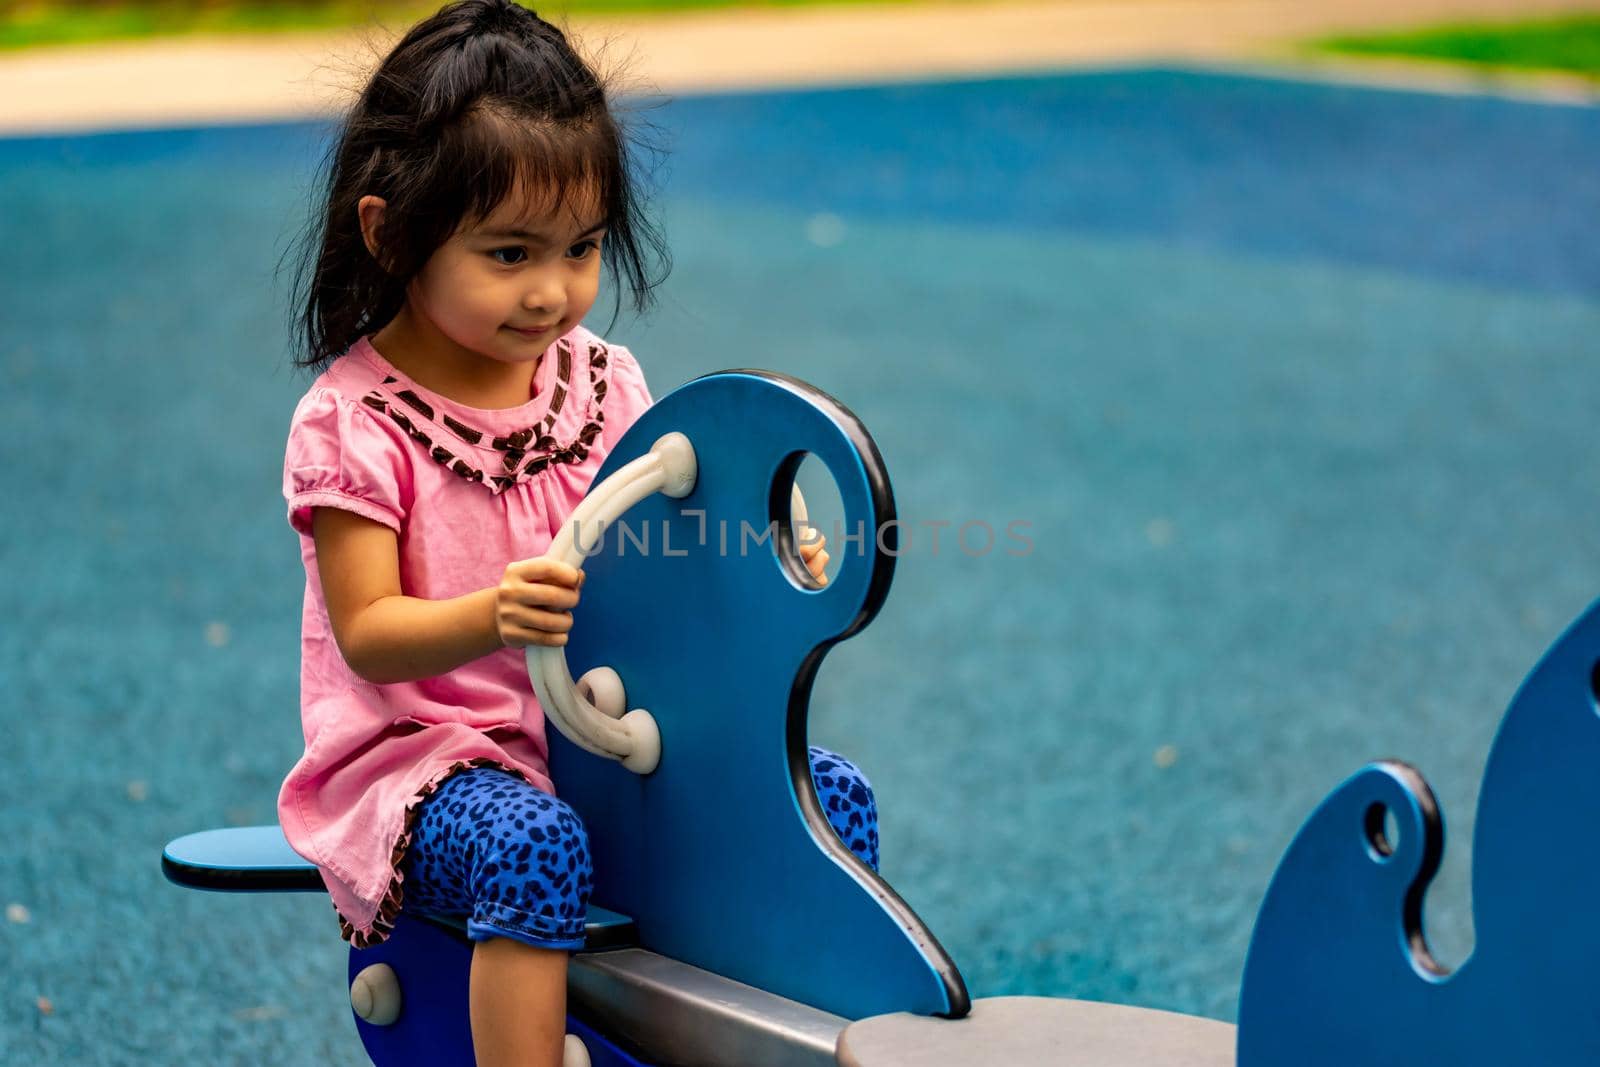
point(467, 490)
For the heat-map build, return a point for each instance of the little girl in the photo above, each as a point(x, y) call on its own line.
point(460, 415)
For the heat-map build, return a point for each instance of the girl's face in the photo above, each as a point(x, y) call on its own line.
point(507, 286)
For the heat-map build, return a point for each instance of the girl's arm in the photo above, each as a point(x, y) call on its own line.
point(388, 637)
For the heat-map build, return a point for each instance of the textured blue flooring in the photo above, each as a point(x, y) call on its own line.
point(1294, 383)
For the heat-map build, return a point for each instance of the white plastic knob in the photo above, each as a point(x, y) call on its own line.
point(602, 687)
point(375, 995)
point(645, 755)
point(573, 1053)
point(678, 463)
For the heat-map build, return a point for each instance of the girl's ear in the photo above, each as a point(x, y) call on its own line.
point(370, 210)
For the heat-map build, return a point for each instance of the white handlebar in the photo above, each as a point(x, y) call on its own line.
point(592, 713)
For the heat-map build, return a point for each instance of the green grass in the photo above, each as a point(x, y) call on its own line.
point(29, 23)
point(1570, 44)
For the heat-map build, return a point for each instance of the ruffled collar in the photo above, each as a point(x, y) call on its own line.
point(498, 448)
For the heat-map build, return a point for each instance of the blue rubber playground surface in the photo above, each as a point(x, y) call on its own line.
point(1294, 385)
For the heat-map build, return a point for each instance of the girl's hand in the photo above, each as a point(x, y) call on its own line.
point(533, 602)
point(815, 558)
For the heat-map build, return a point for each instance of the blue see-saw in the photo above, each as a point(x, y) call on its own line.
point(769, 943)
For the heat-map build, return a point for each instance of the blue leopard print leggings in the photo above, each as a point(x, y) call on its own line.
point(514, 860)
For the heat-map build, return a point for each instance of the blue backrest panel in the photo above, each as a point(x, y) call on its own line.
point(722, 856)
point(1338, 973)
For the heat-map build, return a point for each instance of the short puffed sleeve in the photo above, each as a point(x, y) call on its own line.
point(339, 456)
point(627, 396)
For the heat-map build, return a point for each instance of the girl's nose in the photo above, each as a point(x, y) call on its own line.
point(544, 295)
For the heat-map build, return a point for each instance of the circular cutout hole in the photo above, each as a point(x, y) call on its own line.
point(1383, 831)
point(818, 500)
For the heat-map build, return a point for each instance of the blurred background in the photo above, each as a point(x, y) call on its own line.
point(1275, 320)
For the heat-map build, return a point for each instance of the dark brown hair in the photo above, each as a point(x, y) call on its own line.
point(473, 99)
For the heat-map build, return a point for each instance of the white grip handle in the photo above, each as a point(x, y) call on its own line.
point(633, 738)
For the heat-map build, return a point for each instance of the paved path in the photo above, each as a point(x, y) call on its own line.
point(215, 79)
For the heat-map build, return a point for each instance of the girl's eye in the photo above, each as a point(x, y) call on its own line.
point(582, 249)
point(519, 253)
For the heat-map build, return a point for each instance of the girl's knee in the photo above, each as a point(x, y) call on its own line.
point(837, 777)
point(533, 880)
point(535, 834)
point(848, 801)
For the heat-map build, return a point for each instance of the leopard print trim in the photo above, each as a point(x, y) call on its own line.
point(515, 447)
point(389, 907)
